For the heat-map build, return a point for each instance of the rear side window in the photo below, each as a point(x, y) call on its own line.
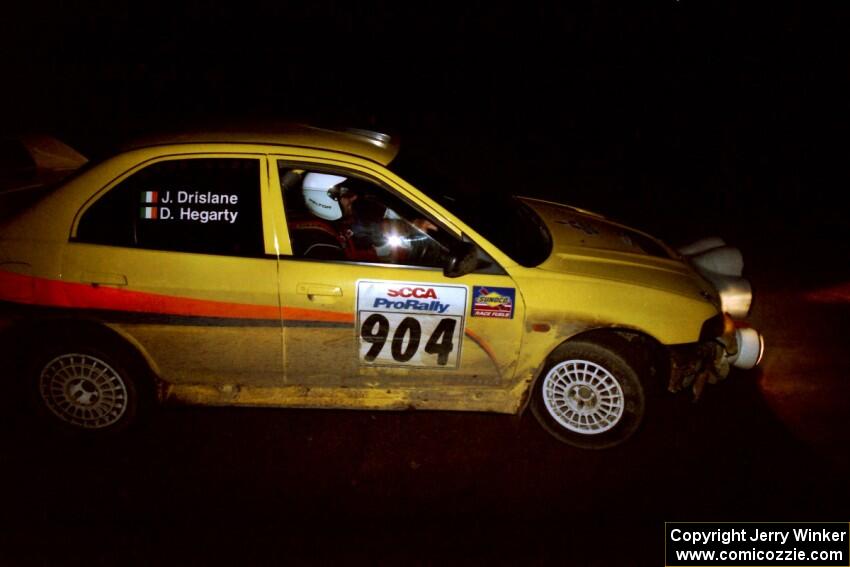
point(205, 205)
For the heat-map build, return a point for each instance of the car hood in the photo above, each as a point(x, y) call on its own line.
point(587, 244)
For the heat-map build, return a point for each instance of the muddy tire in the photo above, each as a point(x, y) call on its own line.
point(589, 395)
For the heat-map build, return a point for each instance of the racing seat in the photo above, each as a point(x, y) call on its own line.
point(315, 238)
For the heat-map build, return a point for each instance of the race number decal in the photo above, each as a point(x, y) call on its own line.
point(410, 324)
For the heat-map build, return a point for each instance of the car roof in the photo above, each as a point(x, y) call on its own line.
point(367, 144)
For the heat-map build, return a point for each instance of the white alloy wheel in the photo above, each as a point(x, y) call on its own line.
point(589, 394)
point(83, 391)
point(583, 397)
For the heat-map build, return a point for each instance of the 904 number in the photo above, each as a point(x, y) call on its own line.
point(376, 330)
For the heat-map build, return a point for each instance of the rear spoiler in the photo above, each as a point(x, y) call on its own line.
point(34, 164)
point(33, 161)
point(48, 153)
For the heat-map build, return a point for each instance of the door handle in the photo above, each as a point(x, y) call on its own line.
point(103, 278)
point(318, 289)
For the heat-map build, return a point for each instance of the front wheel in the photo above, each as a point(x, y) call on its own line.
point(84, 390)
point(589, 396)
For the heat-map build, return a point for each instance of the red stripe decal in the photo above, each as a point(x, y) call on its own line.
point(52, 293)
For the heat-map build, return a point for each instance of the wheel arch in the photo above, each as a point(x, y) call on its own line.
point(31, 334)
point(649, 355)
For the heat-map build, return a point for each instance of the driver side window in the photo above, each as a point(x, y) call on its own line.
point(337, 216)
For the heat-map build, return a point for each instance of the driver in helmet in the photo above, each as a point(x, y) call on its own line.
point(368, 232)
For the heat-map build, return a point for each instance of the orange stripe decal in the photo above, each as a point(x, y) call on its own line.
point(485, 346)
point(299, 314)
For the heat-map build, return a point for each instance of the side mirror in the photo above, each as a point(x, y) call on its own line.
point(462, 260)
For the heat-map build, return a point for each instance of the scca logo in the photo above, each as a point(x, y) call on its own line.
point(417, 292)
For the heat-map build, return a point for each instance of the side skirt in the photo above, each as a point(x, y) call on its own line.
point(443, 398)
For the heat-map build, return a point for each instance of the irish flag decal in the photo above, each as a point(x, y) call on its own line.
point(149, 212)
point(149, 197)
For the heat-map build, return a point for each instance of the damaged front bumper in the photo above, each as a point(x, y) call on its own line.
point(709, 361)
point(725, 341)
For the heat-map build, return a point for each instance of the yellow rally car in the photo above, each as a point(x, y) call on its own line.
point(296, 269)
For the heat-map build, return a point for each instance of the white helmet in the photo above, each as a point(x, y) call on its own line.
point(321, 195)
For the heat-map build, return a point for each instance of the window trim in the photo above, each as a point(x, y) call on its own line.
point(342, 168)
point(263, 172)
point(395, 185)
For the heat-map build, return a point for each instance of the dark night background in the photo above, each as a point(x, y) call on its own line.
point(682, 118)
point(701, 112)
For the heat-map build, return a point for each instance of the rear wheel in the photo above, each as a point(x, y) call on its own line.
point(85, 390)
point(589, 396)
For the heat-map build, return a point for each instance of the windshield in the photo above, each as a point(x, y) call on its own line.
point(502, 219)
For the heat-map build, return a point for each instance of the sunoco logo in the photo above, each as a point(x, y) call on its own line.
point(493, 302)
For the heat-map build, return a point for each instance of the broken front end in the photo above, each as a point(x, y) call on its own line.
point(726, 340)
